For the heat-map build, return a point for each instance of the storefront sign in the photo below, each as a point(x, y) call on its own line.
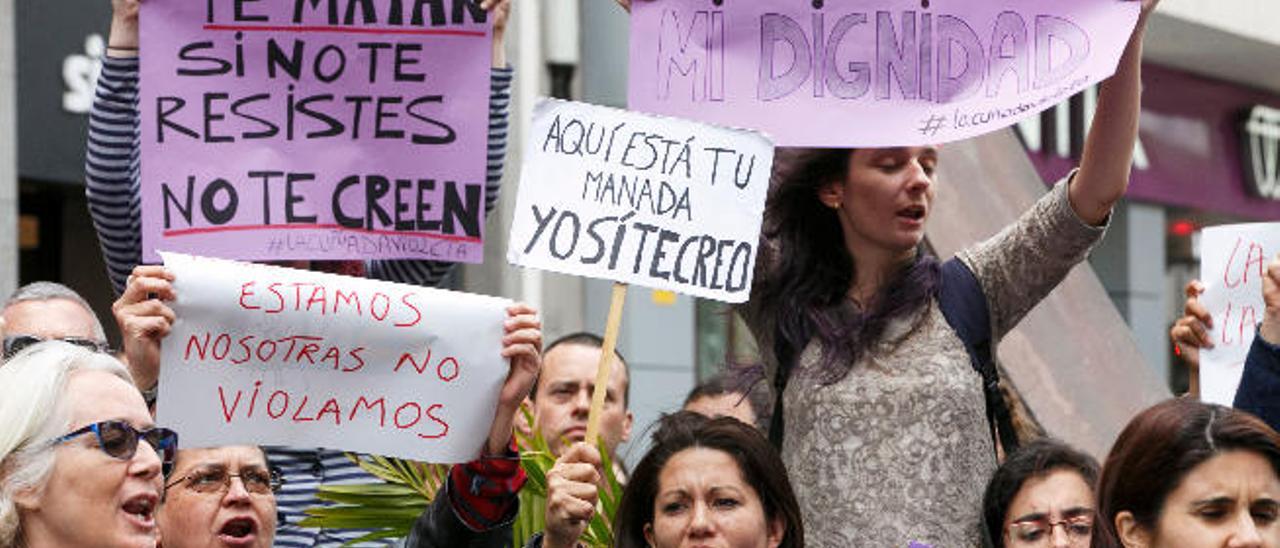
point(1193, 147)
point(1261, 136)
point(60, 44)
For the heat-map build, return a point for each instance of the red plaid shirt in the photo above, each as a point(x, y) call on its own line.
point(483, 492)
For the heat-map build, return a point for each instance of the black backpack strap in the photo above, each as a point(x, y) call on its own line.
point(776, 421)
point(964, 305)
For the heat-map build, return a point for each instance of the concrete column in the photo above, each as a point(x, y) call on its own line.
point(8, 147)
point(1131, 264)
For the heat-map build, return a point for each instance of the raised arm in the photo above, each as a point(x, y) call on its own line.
point(1108, 150)
point(478, 502)
point(111, 153)
point(1259, 391)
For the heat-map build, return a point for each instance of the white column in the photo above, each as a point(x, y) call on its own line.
point(1131, 263)
point(8, 148)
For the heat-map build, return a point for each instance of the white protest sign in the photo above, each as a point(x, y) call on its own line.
point(1233, 260)
point(276, 356)
point(647, 200)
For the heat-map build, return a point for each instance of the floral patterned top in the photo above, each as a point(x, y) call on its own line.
point(900, 450)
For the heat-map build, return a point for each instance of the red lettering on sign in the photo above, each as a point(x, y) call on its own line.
point(331, 406)
point(200, 348)
point(417, 314)
point(444, 425)
point(448, 369)
point(228, 413)
point(318, 295)
point(341, 296)
point(417, 415)
point(355, 354)
point(275, 290)
point(386, 306)
point(271, 404)
point(382, 409)
point(297, 414)
point(280, 407)
point(323, 300)
point(244, 292)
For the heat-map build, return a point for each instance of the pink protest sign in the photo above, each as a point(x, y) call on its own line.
point(314, 129)
point(870, 72)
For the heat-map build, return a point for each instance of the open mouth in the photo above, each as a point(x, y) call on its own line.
point(238, 529)
point(912, 213)
point(142, 508)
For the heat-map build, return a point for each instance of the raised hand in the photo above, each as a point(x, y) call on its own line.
point(501, 11)
point(572, 492)
point(145, 320)
point(1270, 330)
point(1191, 333)
point(123, 40)
point(522, 344)
point(1192, 329)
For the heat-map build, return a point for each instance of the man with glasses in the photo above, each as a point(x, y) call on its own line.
point(222, 496)
point(46, 310)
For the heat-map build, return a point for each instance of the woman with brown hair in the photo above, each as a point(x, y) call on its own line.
point(708, 482)
point(880, 417)
point(1190, 474)
point(1041, 496)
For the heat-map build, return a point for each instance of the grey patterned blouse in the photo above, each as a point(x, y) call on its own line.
point(899, 450)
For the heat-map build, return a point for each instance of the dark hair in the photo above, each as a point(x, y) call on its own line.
point(759, 464)
point(807, 287)
point(732, 383)
point(717, 385)
point(1036, 459)
point(590, 340)
point(1160, 447)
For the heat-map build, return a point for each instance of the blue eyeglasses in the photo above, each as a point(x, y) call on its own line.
point(119, 439)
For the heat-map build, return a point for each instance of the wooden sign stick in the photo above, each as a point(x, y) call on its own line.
point(605, 367)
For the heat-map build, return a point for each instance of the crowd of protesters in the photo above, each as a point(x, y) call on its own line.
point(880, 424)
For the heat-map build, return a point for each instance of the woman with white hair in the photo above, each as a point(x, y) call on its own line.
point(72, 470)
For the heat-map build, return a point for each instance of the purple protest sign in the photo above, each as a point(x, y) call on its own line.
point(282, 129)
point(870, 72)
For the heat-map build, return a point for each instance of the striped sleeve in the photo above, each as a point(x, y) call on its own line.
point(111, 168)
point(430, 273)
point(304, 471)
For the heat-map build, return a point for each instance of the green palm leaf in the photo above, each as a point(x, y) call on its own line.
point(389, 509)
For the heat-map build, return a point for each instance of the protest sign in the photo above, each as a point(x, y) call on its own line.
point(846, 73)
point(1233, 260)
point(653, 201)
point(276, 356)
point(275, 129)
